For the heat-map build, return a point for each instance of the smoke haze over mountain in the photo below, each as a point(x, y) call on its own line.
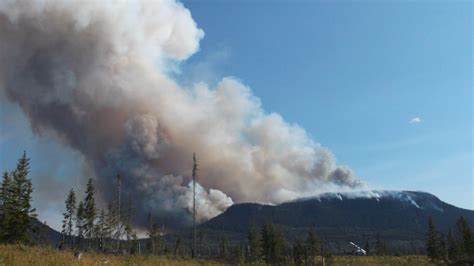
point(92, 74)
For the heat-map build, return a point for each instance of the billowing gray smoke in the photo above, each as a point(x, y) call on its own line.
point(93, 73)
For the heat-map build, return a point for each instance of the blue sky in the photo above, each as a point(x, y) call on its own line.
point(352, 73)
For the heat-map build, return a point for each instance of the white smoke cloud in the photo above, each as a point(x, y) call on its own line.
point(94, 74)
point(208, 203)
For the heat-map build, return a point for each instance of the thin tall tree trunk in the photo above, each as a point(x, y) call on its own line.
point(119, 183)
point(193, 250)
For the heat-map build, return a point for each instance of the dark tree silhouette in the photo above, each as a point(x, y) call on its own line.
point(69, 216)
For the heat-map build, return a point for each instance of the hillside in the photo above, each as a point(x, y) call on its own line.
point(44, 231)
point(399, 217)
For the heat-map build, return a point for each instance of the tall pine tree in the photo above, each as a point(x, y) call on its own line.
point(102, 229)
point(111, 220)
point(312, 242)
point(253, 242)
point(69, 216)
point(453, 248)
point(4, 192)
point(464, 238)
point(299, 253)
point(89, 211)
point(80, 220)
point(19, 227)
point(273, 244)
point(435, 245)
point(6, 204)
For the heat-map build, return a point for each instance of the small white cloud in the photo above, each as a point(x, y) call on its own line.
point(415, 120)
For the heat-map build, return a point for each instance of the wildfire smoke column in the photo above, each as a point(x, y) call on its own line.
point(93, 76)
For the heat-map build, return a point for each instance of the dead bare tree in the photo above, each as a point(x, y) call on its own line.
point(193, 250)
point(119, 185)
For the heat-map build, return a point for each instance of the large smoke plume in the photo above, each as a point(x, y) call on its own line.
point(93, 74)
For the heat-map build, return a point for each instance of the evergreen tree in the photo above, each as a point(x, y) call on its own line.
point(108, 224)
point(267, 242)
point(298, 253)
point(89, 211)
point(6, 205)
point(237, 256)
point(453, 248)
point(129, 233)
point(273, 244)
point(6, 181)
point(223, 246)
point(102, 229)
point(18, 221)
point(111, 220)
point(442, 247)
point(69, 216)
point(433, 242)
point(313, 245)
point(111, 223)
point(80, 220)
point(253, 242)
point(464, 238)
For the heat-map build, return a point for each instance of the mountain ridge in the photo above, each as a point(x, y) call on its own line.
point(399, 217)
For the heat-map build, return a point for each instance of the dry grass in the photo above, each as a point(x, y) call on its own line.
point(16, 255)
point(382, 260)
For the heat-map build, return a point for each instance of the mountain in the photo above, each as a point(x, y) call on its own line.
point(50, 235)
point(399, 217)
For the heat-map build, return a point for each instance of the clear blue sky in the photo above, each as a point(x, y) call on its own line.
point(352, 73)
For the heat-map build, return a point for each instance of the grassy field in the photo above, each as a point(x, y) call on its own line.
point(16, 255)
point(385, 260)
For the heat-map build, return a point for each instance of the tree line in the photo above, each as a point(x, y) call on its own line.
point(456, 248)
point(107, 230)
point(110, 229)
point(84, 225)
point(269, 245)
